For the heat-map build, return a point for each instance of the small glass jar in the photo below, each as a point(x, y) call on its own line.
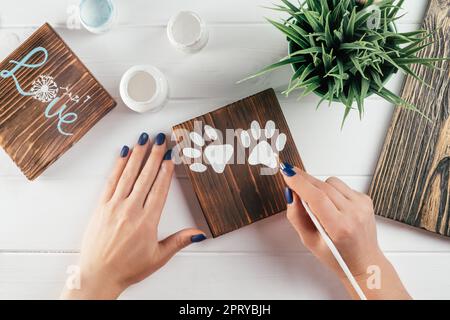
point(97, 16)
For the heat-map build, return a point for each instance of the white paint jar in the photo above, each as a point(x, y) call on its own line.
point(187, 32)
point(144, 88)
point(97, 16)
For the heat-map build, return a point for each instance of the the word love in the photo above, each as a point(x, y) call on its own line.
point(44, 91)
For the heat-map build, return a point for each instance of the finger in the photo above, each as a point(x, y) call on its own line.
point(156, 199)
point(148, 174)
point(177, 241)
point(113, 179)
point(299, 219)
point(317, 199)
point(342, 187)
point(338, 199)
point(131, 171)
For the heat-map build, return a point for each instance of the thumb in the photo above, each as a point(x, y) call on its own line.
point(177, 241)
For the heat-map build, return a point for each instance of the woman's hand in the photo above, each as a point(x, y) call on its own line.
point(121, 246)
point(348, 218)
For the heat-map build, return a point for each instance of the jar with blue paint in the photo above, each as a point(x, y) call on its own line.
point(97, 16)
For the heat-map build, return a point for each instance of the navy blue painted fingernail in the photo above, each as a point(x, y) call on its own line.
point(287, 171)
point(288, 195)
point(288, 165)
point(160, 138)
point(198, 238)
point(168, 155)
point(143, 138)
point(124, 151)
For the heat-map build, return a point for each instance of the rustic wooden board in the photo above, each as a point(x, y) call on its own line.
point(48, 101)
point(241, 194)
point(411, 182)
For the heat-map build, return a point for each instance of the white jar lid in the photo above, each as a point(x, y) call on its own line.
point(136, 80)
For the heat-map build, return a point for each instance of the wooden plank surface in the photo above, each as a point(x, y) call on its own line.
point(233, 12)
point(222, 276)
point(239, 192)
point(412, 179)
point(48, 101)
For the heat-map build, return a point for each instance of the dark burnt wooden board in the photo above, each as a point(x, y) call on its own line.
point(29, 134)
point(240, 195)
point(411, 182)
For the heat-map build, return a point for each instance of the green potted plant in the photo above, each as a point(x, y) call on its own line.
point(346, 50)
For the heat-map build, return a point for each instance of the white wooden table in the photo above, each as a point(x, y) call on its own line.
point(41, 223)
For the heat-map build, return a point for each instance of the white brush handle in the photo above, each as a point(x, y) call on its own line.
point(335, 252)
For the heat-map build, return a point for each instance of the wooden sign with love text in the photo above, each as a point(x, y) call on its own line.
point(48, 101)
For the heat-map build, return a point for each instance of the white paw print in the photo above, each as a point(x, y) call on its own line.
point(263, 153)
point(216, 154)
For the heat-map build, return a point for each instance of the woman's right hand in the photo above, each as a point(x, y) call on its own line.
point(348, 218)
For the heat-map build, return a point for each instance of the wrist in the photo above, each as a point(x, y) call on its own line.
point(362, 269)
point(362, 264)
point(92, 286)
point(380, 281)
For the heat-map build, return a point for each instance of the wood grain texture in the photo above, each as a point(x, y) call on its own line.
point(411, 183)
point(240, 195)
point(29, 134)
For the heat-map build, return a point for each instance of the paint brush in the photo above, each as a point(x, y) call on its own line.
point(332, 248)
point(335, 252)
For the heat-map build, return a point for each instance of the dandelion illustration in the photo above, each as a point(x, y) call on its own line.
point(44, 88)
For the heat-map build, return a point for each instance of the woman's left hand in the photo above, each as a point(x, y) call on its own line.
point(121, 245)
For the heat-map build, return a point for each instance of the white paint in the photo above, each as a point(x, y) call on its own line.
point(264, 153)
point(141, 86)
point(144, 88)
point(198, 167)
point(187, 31)
point(270, 128)
point(192, 153)
point(280, 142)
point(215, 155)
point(44, 88)
point(246, 264)
point(197, 139)
point(211, 132)
point(245, 139)
point(218, 156)
point(255, 130)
